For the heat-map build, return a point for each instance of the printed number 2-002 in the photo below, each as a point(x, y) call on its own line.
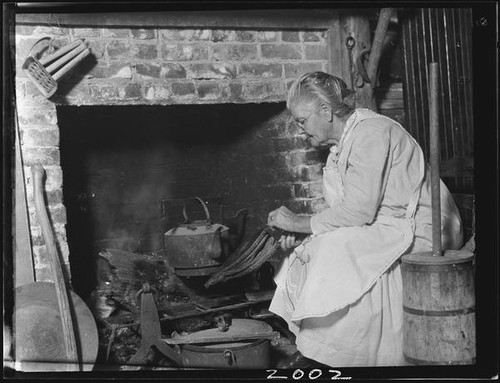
point(299, 374)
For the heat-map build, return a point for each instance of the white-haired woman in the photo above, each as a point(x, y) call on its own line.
point(340, 290)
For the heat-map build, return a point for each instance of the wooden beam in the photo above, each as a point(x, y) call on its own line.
point(377, 45)
point(357, 26)
point(335, 66)
point(255, 19)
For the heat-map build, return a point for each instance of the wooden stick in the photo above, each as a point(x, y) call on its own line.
point(434, 158)
point(59, 52)
point(378, 41)
point(65, 59)
point(72, 360)
point(367, 92)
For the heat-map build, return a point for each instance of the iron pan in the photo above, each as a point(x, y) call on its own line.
point(39, 342)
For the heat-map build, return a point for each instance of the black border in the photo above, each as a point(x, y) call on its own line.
point(485, 104)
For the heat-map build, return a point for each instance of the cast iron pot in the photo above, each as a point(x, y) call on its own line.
point(248, 354)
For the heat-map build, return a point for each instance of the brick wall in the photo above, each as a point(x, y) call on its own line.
point(176, 66)
point(164, 67)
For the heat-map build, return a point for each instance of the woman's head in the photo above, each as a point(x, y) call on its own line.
point(320, 88)
point(320, 104)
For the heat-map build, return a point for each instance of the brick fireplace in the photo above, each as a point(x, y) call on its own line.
point(224, 83)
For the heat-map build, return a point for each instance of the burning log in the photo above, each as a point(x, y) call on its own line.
point(121, 276)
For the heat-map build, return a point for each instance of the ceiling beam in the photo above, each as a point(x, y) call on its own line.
point(253, 19)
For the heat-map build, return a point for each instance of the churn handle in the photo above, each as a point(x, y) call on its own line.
point(207, 213)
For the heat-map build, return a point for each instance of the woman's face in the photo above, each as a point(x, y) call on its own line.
point(314, 121)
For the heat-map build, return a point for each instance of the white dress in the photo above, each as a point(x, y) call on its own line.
point(340, 291)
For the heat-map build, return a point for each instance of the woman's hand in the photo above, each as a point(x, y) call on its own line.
point(282, 218)
point(288, 241)
point(285, 219)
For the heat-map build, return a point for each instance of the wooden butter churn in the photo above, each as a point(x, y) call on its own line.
point(438, 287)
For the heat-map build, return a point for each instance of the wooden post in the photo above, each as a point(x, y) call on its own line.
point(335, 48)
point(367, 91)
point(356, 26)
point(434, 158)
point(378, 41)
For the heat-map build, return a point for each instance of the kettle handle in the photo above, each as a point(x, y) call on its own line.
point(207, 213)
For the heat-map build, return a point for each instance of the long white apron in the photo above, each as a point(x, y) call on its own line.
point(341, 291)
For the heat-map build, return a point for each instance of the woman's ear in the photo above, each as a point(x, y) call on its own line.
point(326, 111)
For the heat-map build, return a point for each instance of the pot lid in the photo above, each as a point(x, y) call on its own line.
point(196, 229)
point(238, 328)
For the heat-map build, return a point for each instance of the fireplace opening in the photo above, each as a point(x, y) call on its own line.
point(129, 170)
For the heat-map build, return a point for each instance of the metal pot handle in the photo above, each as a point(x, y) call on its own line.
point(207, 213)
point(229, 356)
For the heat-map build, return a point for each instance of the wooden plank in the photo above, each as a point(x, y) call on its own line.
point(335, 66)
point(23, 256)
point(357, 26)
point(68, 332)
point(286, 18)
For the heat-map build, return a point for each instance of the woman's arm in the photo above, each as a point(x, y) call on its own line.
point(365, 180)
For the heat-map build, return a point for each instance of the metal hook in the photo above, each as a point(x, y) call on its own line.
point(350, 43)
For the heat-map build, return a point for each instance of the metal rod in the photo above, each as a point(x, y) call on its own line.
point(59, 52)
point(222, 339)
point(70, 66)
point(63, 60)
point(434, 158)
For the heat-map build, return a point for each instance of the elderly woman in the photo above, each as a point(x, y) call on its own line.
point(340, 290)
